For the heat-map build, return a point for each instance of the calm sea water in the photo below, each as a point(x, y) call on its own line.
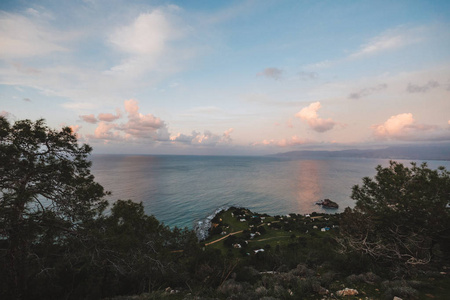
point(181, 190)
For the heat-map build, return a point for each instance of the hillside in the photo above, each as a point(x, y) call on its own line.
point(414, 152)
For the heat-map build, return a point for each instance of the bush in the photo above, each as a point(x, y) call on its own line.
point(399, 288)
point(230, 287)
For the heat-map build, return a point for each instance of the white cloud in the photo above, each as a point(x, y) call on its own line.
point(389, 40)
point(309, 115)
point(21, 37)
point(146, 42)
point(144, 56)
point(147, 35)
point(207, 138)
point(24, 69)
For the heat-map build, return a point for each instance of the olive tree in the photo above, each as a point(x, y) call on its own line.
point(400, 214)
point(46, 193)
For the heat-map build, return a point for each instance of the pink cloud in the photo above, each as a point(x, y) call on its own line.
point(104, 131)
point(89, 118)
point(75, 129)
point(6, 114)
point(147, 127)
point(227, 135)
point(131, 106)
point(139, 125)
point(310, 116)
point(401, 126)
point(108, 117)
point(289, 123)
point(395, 125)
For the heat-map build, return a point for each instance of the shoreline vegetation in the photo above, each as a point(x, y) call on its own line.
point(57, 242)
point(237, 232)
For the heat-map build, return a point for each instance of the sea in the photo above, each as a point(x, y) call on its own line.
point(184, 191)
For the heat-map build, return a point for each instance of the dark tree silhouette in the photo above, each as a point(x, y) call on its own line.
point(400, 215)
point(47, 193)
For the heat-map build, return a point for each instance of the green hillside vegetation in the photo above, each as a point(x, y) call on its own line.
point(58, 241)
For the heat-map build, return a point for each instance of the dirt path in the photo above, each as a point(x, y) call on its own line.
point(271, 238)
point(224, 237)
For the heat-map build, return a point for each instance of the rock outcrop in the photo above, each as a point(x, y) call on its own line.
point(347, 292)
point(327, 203)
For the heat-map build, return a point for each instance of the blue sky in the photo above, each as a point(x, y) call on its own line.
point(229, 77)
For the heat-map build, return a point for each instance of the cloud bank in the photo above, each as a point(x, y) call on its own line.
point(146, 128)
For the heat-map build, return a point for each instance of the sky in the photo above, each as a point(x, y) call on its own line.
point(229, 77)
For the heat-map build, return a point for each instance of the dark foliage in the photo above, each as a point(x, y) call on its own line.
point(55, 241)
point(400, 217)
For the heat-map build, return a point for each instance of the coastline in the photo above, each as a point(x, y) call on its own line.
point(202, 227)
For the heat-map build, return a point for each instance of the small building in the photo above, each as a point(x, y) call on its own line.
point(237, 246)
point(258, 250)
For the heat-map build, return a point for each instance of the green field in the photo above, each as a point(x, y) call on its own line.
point(269, 231)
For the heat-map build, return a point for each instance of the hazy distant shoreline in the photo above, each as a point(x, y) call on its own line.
point(414, 152)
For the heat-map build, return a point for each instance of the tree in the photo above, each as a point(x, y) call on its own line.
point(400, 215)
point(46, 193)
